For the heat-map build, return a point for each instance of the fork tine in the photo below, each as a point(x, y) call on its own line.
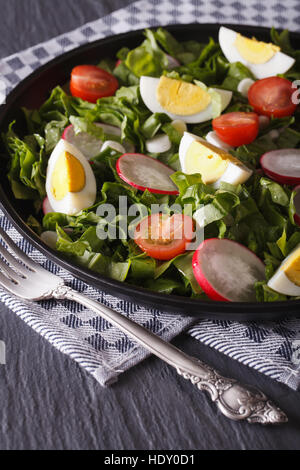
point(8, 271)
point(7, 283)
point(36, 284)
point(24, 258)
point(13, 261)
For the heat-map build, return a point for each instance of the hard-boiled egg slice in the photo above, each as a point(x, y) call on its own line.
point(263, 59)
point(70, 181)
point(214, 164)
point(286, 280)
point(181, 100)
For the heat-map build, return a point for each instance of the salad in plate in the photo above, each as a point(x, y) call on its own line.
point(174, 166)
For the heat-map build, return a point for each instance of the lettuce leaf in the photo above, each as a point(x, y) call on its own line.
point(236, 72)
point(27, 168)
point(82, 252)
point(147, 59)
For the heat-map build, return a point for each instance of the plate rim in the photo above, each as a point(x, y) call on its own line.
point(239, 311)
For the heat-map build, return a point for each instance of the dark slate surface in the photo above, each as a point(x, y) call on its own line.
point(48, 402)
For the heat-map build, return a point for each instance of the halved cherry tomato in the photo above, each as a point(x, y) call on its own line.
point(90, 83)
point(272, 97)
point(164, 237)
point(236, 128)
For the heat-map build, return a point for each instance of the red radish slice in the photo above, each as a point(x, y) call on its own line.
point(144, 172)
point(47, 206)
point(90, 145)
point(173, 63)
point(282, 165)
point(68, 133)
point(107, 128)
point(297, 205)
point(227, 270)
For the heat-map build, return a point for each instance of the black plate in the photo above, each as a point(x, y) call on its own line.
point(34, 90)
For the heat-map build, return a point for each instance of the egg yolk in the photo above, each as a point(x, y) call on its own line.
point(291, 267)
point(180, 97)
point(208, 160)
point(255, 52)
point(68, 176)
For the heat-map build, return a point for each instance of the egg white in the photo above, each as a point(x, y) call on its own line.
point(234, 174)
point(187, 139)
point(279, 63)
point(148, 87)
point(281, 283)
point(72, 203)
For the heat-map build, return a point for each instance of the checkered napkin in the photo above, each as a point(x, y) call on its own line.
point(101, 349)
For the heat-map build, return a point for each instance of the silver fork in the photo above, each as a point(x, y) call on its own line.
point(26, 279)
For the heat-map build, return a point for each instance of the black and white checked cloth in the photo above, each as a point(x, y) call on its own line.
point(105, 352)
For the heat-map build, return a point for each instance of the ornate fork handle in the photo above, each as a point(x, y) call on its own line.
point(234, 400)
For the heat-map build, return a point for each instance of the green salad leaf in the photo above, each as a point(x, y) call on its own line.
point(147, 59)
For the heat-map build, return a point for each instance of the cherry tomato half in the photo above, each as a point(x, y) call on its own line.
point(272, 97)
point(164, 237)
point(90, 83)
point(236, 128)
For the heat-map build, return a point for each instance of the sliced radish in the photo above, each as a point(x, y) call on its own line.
point(282, 165)
point(297, 205)
point(90, 145)
point(47, 206)
point(144, 172)
point(173, 63)
point(227, 270)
